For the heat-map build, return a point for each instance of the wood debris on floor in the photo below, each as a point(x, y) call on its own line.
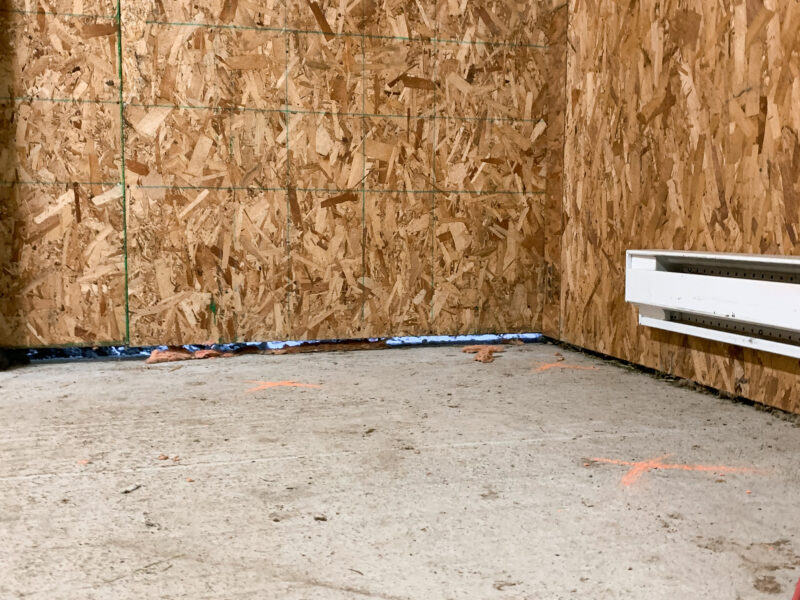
point(180, 353)
point(331, 346)
point(171, 354)
point(483, 353)
point(177, 353)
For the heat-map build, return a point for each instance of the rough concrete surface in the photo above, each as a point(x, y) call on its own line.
point(408, 474)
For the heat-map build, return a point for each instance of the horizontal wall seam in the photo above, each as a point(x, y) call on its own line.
point(292, 111)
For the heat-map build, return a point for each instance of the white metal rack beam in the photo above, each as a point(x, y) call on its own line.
point(742, 299)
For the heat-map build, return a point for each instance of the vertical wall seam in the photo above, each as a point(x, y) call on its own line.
point(288, 237)
point(434, 142)
point(563, 174)
point(233, 199)
point(364, 163)
point(122, 169)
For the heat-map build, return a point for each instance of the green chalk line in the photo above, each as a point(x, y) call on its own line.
point(364, 163)
point(19, 11)
point(433, 177)
point(124, 190)
point(300, 111)
point(250, 188)
point(292, 111)
point(55, 100)
point(288, 240)
point(98, 183)
point(231, 188)
point(346, 34)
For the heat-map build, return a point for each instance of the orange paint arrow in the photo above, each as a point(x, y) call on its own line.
point(264, 385)
point(560, 365)
point(639, 468)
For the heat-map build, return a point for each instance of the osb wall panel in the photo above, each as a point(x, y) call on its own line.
point(334, 169)
point(217, 264)
point(62, 279)
point(270, 170)
point(556, 99)
point(682, 133)
point(94, 8)
point(487, 267)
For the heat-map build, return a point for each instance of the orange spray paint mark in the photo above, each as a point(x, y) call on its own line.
point(639, 468)
point(264, 385)
point(560, 365)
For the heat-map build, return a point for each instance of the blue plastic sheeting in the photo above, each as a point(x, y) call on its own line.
point(141, 351)
point(462, 339)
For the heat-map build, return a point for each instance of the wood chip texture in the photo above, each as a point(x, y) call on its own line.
point(62, 279)
point(304, 170)
point(683, 132)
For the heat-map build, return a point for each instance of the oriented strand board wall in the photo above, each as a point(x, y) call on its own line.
point(682, 132)
point(277, 170)
point(62, 276)
point(341, 169)
point(554, 189)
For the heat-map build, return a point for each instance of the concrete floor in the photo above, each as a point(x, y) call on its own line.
point(413, 474)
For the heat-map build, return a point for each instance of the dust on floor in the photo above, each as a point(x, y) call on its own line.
point(401, 474)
